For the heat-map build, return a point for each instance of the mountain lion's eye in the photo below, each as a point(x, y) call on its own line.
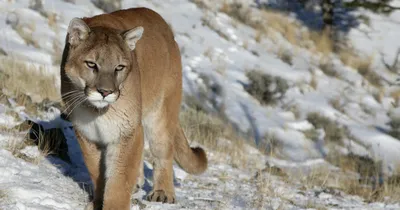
point(120, 68)
point(91, 65)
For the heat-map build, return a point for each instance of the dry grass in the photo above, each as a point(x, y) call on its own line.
point(27, 83)
point(16, 147)
point(209, 20)
point(52, 20)
point(396, 96)
point(17, 142)
point(213, 133)
point(57, 52)
point(379, 94)
point(269, 145)
point(237, 11)
point(363, 65)
point(286, 56)
point(200, 3)
point(364, 68)
point(322, 42)
point(258, 37)
point(314, 81)
point(50, 142)
point(275, 24)
point(264, 191)
point(356, 177)
point(26, 33)
point(349, 58)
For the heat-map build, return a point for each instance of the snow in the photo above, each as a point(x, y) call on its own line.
point(215, 45)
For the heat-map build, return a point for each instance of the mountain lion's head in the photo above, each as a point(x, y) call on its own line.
point(99, 60)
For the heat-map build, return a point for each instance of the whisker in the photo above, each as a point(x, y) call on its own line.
point(69, 97)
point(73, 101)
point(73, 97)
point(72, 105)
point(70, 92)
point(79, 103)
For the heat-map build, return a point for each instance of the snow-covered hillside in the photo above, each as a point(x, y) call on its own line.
point(218, 50)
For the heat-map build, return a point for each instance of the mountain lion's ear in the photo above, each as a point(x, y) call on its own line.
point(132, 36)
point(78, 31)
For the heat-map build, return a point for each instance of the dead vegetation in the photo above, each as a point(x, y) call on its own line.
point(25, 31)
point(49, 142)
point(362, 64)
point(273, 25)
point(396, 97)
point(364, 68)
point(31, 88)
point(16, 147)
point(357, 175)
point(58, 47)
point(28, 84)
point(209, 20)
point(213, 133)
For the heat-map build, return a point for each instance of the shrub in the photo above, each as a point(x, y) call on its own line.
point(328, 68)
point(265, 88)
point(333, 132)
point(395, 127)
point(286, 56)
point(108, 5)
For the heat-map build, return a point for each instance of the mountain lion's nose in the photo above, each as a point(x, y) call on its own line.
point(104, 92)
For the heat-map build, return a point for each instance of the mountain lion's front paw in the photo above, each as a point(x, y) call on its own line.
point(161, 196)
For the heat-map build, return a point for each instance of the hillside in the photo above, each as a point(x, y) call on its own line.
point(288, 122)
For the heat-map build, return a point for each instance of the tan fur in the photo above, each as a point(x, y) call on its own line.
point(112, 111)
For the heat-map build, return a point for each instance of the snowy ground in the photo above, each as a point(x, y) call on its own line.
point(53, 184)
point(215, 45)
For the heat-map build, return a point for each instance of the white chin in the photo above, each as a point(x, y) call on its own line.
point(100, 104)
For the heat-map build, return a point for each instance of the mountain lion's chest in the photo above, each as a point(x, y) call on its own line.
point(104, 129)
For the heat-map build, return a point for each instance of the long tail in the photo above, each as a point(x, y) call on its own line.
point(192, 160)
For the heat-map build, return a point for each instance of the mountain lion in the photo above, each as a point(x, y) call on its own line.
point(121, 82)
